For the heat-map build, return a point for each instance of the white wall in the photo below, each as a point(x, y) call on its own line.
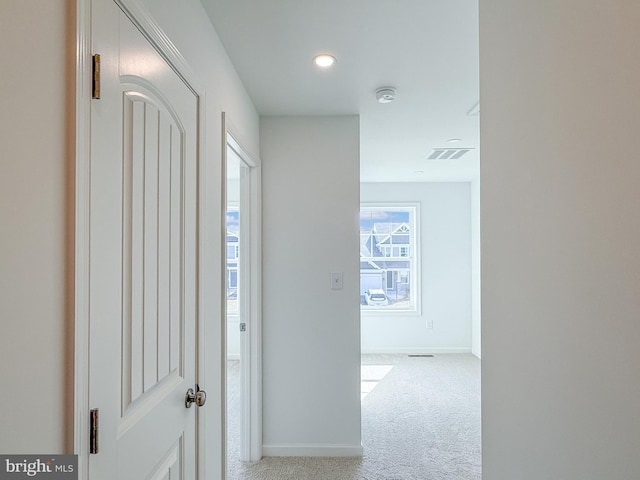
point(444, 324)
point(187, 25)
point(560, 239)
point(311, 336)
point(36, 219)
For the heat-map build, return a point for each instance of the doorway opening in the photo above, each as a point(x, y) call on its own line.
point(234, 311)
point(419, 297)
point(242, 329)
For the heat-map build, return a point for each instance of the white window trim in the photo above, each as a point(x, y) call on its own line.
point(415, 272)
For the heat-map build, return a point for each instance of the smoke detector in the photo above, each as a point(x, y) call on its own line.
point(386, 94)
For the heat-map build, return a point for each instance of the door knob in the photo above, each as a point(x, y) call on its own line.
point(199, 397)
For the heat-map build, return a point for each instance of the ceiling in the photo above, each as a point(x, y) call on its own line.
point(426, 49)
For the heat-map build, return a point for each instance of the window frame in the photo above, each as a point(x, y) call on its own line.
point(414, 255)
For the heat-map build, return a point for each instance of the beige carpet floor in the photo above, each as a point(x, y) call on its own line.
point(420, 421)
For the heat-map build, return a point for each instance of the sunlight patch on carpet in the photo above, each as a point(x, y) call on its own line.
point(370, 376)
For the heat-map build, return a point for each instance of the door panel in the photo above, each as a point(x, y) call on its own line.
point(143, 314)
point(169, 466)
point(152, 233)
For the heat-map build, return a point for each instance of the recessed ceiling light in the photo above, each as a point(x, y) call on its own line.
point(324, 60)
point(454, 140)
point(419, 172)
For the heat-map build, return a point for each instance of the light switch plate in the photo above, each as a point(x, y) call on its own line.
point(336, 280)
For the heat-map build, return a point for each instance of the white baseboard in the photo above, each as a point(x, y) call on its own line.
point(311, 450)
point(414, 350)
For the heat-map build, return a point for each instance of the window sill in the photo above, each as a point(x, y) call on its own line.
point(365, 312)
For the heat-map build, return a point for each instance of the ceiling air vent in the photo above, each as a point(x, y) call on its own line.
point(448, 153)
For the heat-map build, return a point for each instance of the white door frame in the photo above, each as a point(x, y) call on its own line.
point(251, 272)
point(140, 16)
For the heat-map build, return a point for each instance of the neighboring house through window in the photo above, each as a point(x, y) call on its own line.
point(388, 257)
point(233, 251)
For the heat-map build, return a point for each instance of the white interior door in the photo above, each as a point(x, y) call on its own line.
point(143, 258)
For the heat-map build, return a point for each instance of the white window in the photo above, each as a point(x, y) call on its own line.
point(388, 257)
